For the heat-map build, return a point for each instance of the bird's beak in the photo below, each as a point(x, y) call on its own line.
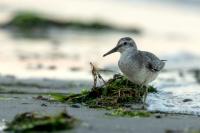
point(111, 51)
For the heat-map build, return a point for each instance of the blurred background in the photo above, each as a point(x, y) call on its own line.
point(58, 38)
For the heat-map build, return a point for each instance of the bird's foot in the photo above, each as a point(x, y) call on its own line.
point(144, 106)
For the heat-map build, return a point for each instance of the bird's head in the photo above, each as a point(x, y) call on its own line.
point(123, 45)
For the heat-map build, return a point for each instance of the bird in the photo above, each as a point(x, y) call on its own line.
point(140, 67)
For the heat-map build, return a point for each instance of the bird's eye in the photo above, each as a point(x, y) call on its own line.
point(125, 43)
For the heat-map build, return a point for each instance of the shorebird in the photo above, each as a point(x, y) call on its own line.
point(140, 67)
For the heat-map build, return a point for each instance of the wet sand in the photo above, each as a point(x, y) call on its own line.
point(92, 120)
point(95, 120)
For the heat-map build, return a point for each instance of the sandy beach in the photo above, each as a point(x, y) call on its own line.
point(57, 60)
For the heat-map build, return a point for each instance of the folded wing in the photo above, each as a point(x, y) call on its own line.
point(152, 62)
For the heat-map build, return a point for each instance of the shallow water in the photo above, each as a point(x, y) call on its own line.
point(177, 95)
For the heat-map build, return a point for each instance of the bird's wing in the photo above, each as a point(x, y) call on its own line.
point(152, 62)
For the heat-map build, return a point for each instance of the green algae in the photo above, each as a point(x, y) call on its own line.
point(28, 21)
point(124, 112)
point(116, 92)
point(32, 122)
point(2, 98)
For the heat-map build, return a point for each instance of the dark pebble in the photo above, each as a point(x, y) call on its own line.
point(75, 106)
point(25, 103)
point(52, 67)
point(173, 131)
point(158, 116)
point(187, 100)
point(43, 105)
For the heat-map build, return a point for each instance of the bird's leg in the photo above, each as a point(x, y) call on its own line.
point(141, 88)
point(145, 95)
point(126, 83)
point(119, 93)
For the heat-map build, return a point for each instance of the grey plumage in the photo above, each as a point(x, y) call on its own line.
point(140, 67)
point(152, 62)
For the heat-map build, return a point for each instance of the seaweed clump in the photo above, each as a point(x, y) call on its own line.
point(116, 92)
point(32, 122)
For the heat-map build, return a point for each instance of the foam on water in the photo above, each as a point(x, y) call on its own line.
point(182, 96)
point(2, 125)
